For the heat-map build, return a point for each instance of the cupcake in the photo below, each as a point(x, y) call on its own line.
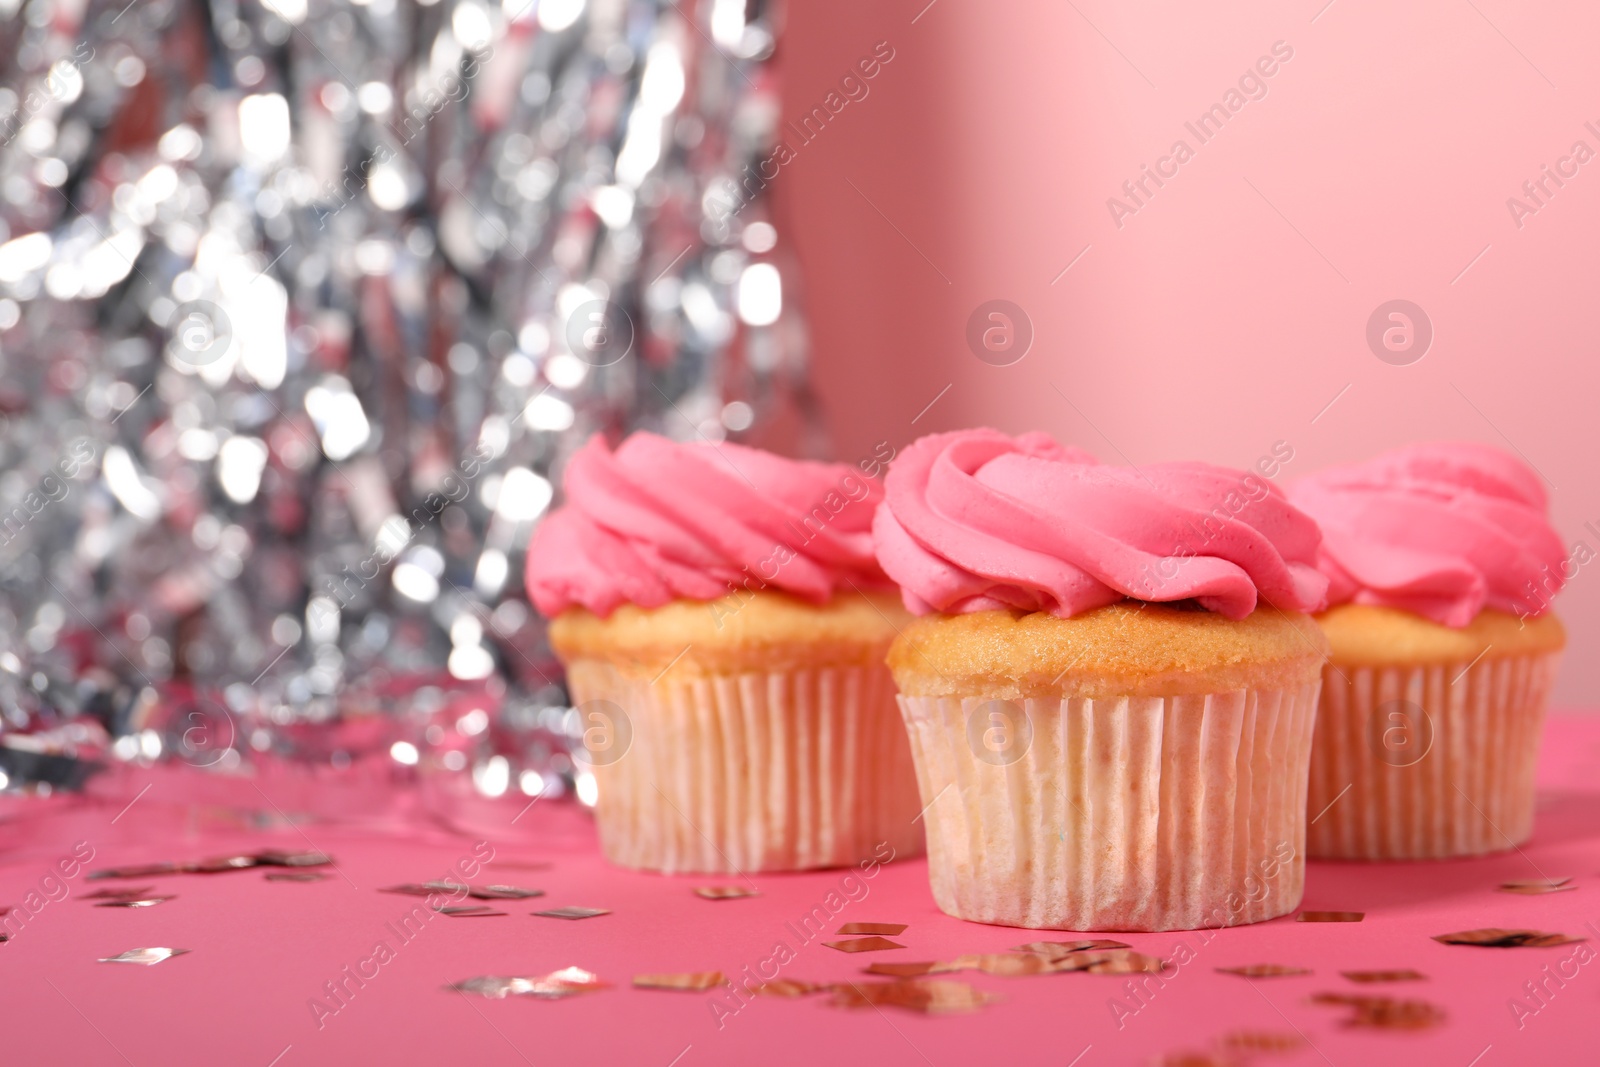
point(1109, 685)
point(1441, 564)
point(723, 624)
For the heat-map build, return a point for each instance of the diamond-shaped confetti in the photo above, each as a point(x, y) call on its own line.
point(1264, 970)
point(426, 889)
point(1113, 961)
point(573, 913)
point(907, 970)
point(1063, 948)
point(724, 892)
point(1494, 937)
point(1261, 1041)
point(1008, 964)
point(864, 944)
point(147, 956)
point(143, 870)
point(279, 858)
point(502, 892)
point(935, 997)
point(566, 982)
point(695, 982)
point(221, 864)
point(1384, 1013)
point(1538, 886)
point(469, 911)
point(791, 987)
point(1370, 977)
point(891, 929)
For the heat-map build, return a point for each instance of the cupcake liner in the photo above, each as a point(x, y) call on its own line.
point(1429, 761)
point(1122, 813)
point(761, 771)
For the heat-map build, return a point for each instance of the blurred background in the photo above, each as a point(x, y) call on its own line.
point(1229, 307)
point(303, 305)
point(302, 309)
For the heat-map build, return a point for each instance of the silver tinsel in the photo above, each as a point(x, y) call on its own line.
point(303, 306)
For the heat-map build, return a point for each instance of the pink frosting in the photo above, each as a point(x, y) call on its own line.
point(658, 520)
point(976, 520)
point(1443, 530)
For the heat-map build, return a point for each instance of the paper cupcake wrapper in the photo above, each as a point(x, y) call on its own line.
point(1427, 762)
point(770, 771)
point(1130, 813)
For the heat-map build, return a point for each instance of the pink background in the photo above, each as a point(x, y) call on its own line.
point(1227, 313)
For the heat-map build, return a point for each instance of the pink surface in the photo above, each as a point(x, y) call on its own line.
point(1230, 313)
point(262, 950)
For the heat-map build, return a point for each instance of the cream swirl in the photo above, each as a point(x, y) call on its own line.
point(977, 520)
point(1443, 529)
point(659, 520)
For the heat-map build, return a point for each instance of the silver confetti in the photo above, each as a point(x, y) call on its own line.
point(147, 956)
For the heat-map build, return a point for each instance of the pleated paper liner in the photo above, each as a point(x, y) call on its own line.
point(1427, 762)
point(1132, 813)
point(765, 771)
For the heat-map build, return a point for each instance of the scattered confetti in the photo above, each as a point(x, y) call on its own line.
point(469, 911)
point(1063, 948)
point(1330, 916)
point(791, 987)
point(1264, 970)
point(426, 889)
point(502, 892)
point(1492, 937)
point(695, 982)
point(1261, 1041)
point(279, 858)
point(573, 913)
point(873, 928)
point(1120, 960)
point(295, 876)
point(141, 902)
point(1007, 964)
point(1538, 886)
point(410, 889)
point(118, 893)
point(864, 944)
point(218, 864)
point(478, 892)
point(147, 956)
point(1384, 1013)
point(1368, 977)
point(939, 997)
point(144, 870)
point(566, 982)
point(724, 892)
point(1113, 961)
point(908, 970)
point(497, 986)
